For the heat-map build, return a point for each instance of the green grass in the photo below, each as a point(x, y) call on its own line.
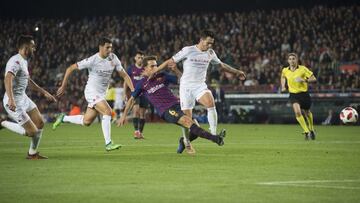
point(258, 163)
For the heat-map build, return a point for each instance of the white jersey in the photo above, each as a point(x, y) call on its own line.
point(100, 71)
point(19, 67)
point(195, 64)
point(119, 94)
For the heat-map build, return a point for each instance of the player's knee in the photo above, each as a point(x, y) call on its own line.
point(31, 133)
point(186, 121)
point(209, 104)
point(40, 124)
point(298, 113)
point(87, 122)
point(108, 112)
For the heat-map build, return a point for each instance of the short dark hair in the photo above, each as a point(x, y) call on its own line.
point(104, 40)
point(139, 52)
point(23, 40)
point(147, 59)
point(207, 33)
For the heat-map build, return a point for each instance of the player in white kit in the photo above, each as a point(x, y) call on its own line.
point(196, 60)
point(100, 66)
point(20, 108)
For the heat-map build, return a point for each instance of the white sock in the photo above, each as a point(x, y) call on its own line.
point(14, 127)
point(106, 128)
point(213, 119)
point(78, 119)
point(185, 133)
point(35, 142)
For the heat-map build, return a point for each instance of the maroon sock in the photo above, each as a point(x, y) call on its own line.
point(194, 129)
point(192, 137)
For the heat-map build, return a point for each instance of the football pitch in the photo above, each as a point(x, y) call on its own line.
point(258, 163)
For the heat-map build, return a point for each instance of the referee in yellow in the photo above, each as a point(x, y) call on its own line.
point(297, 78)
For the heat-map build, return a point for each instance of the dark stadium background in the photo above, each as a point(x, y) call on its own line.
point(259, 109)
point(66, 8)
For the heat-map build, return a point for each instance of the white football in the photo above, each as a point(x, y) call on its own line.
point(348, 115)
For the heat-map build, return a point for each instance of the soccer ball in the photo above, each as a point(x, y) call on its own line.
point(348, 115)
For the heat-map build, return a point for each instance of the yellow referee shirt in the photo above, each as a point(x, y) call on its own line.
point(110, 94)
point(294, 86)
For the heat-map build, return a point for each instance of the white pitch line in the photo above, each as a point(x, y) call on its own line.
point(322, 186)
point(313, 184)
point(309, 181)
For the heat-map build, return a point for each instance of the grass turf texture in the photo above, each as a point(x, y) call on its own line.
point(258, 163)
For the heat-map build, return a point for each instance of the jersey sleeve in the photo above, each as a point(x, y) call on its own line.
point(138, 89)
point(13, 66)
point(170, 78)
point(85, 63)
point(128, 70)
point(181, 55)
point(214, 59)
point(118, 65)
point(283, 72)
point(307, 73)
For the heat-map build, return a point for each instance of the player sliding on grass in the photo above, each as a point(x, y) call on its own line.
point(17, 104)
point(100, 66)
point(167, 104)
point(196, 60)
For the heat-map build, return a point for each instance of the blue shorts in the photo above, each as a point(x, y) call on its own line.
point(173, 114)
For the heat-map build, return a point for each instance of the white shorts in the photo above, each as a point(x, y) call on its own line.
point(93, 98)
point(119, 105)
point(190, 94)
point(23, 106)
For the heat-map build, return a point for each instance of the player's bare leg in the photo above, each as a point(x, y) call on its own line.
point(38, 121)
point(103, 108)
point(186, 133)
point(186, 123)
point(300, 118)
point(89, 116)
point(207, 100)
point(27, 129)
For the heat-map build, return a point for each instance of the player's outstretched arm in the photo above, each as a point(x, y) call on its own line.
point(127, 80)
point(169, 62)
point(68, 72)
point(175, 70)
point(128, 107)
point(36, 87)
point(9, 90)
point(230, 69)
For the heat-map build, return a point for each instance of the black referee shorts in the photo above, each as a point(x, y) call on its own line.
point(303, 98)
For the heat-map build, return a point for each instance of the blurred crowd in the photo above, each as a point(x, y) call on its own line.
point(256, 42)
